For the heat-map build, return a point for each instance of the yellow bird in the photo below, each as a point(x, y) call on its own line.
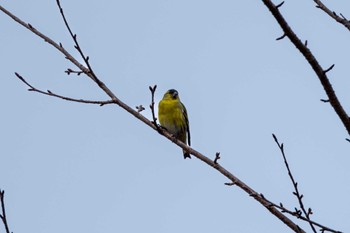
point(172, 115)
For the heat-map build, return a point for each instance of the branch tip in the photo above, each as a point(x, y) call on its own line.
point(309, 211)
point(327, 70)
point(343, 17)
point(217, 157)
point(153, 90)
point(281, 37)
point(274, 137)
point(279, 5)
point(20, 77)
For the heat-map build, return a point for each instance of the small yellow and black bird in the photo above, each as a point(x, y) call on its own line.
point(172, 115)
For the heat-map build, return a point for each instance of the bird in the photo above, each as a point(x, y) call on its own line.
point(172, 115)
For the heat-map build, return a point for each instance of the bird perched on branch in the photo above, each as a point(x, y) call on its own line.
point(172, 116)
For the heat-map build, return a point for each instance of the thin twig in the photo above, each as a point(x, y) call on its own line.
point(76, 46)
point(295, 185)
point(154, 118)
point(3, 215)
point(329, 69)
point(50, 93)
point(333, 99)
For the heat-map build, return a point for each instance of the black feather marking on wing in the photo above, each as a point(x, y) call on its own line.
point(187, 124)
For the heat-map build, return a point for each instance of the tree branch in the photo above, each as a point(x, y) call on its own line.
point(295, 185)
point(154, 118)
point(299, 196)
point(77, 46)
point(3, 212)
point(320, 72)
point(340, 19)
point(50, 93)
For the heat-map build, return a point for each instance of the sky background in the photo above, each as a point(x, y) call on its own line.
point(71, 167)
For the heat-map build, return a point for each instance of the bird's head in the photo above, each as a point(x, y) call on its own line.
point(171, 94)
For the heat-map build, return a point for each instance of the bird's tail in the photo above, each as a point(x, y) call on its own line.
point(186, 155)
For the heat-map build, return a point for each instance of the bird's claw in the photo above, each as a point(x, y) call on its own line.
point(173, 138)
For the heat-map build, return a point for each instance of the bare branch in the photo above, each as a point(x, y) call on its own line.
point(297, 214)
point(342, 20)
point(3, 212)
point(153, 90)
point(295, 184)
point(154, 118)
point(46, 39)
point(77, 46)
point(322, 76)
point(50, 93)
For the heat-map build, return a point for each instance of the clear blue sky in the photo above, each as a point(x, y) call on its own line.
point(69, 167)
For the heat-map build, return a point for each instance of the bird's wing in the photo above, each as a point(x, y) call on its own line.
point(184, 112)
